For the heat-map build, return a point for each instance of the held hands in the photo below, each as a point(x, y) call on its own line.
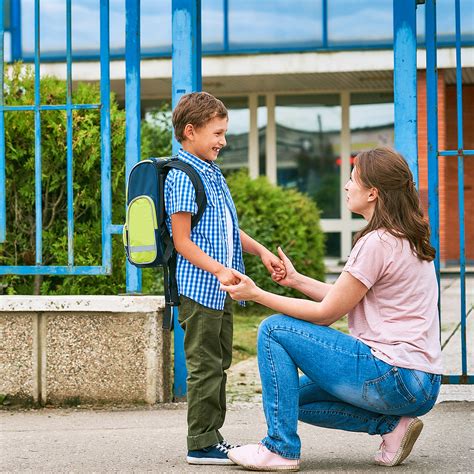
point(245, 290)
point(289, 278)
point(226, 277)
point(274, 265)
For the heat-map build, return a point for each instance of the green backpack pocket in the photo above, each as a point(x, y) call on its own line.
point(140, 231)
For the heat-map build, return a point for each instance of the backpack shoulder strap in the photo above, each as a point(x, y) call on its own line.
point(201, 199)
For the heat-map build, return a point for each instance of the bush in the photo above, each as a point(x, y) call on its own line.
point(20, 162)
point(276, 216)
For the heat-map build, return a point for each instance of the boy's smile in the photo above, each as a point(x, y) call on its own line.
point(207, 141)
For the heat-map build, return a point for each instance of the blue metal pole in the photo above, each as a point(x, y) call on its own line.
point(404, 82)
point(186, 72)
point(69, 132)
point(132, 111)
point(106, 163)
point(324, 20)
point(3, 205)
point(15, 29)
point(462, 237)
point(38, 167)
point(432, 126)
point(226, 26)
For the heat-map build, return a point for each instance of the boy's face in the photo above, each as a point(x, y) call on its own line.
point(207, 141)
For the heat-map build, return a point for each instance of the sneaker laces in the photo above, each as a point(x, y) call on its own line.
point(223, 447)
point(228, 445)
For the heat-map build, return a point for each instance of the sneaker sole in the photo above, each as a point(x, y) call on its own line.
point(208, 461)
point(408, 441)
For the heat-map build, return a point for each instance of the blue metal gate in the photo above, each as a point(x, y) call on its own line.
point(104, 106)
point(406, 139)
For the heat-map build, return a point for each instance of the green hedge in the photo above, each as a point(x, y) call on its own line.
point(20, 162)
point(276, 216)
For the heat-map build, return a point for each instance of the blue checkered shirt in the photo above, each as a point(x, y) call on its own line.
point(210, 234)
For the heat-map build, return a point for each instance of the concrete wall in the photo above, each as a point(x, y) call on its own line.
point(84, 349)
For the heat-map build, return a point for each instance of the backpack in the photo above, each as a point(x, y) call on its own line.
point(146, 238)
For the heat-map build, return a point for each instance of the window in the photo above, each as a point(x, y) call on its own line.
point(308, 129)
point(235, 155)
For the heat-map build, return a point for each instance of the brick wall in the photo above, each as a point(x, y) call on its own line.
point(451, 218)
point(447, 139)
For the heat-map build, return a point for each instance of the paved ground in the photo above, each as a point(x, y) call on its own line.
point(153, 440)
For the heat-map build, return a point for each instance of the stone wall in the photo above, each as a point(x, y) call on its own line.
point(84, 349)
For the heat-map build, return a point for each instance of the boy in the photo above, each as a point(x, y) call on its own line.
point(205, 256)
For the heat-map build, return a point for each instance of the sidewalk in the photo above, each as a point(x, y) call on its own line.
point(154, 441)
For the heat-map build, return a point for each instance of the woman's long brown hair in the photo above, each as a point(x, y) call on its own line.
point(397, 209)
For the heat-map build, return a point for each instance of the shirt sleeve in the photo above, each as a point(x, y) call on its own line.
point(368, 259)
point(180, 195)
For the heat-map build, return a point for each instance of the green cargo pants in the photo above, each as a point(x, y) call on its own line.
point(208, 347)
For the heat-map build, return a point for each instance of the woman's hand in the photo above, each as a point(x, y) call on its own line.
point(274, 265)
point(291, 274)
point(245, 290)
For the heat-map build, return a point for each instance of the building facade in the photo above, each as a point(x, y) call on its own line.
point(308, 85)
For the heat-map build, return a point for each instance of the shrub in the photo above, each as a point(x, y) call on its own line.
point(20, 162)
point(276, 216)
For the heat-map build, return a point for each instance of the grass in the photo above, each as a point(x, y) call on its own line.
point(246, 322)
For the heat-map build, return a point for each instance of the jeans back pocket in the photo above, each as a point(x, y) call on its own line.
point(388, 392)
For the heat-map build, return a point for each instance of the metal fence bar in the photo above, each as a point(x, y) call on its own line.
point(404, 82)
point(106, 197)
point(38, 167)
point(132, 111)
point(324, 21)
point(226, 25)
point(15, 29)
point(432, 126)
point(462, 236)
point(52, 270)
point(3, 205)
point(186, 77)
point(456, 152)
point(19, 108)
point(69, 132)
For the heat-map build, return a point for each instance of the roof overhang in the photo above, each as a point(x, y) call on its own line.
point(263, 73)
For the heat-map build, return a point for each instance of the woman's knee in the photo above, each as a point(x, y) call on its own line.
point(270, 323)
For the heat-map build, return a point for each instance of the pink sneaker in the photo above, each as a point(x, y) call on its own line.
point(256, 457)
point(397, 445)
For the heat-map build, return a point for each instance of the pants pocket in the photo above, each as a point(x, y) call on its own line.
point(388, 392)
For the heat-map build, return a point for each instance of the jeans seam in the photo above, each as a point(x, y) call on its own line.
point(335, 412)
point(422, 388)
point(317, 340)
point(275, 385)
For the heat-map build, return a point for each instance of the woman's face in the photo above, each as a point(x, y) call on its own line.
point(359, 199)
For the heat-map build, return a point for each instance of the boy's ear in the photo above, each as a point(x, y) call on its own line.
point(189, 132)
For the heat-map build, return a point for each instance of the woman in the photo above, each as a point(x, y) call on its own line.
point(383, 375)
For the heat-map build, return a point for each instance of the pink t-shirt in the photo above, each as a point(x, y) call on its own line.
point(398, 317)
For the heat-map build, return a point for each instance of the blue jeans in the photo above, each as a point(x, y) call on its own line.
point(343, 387)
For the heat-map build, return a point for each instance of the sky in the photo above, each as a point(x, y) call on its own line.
point(251, 22)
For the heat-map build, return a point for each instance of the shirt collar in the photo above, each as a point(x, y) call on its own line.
point(200, 165)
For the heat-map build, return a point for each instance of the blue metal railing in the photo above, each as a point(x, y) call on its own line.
point(68, 107)
point(434, 153)
point(321, 42)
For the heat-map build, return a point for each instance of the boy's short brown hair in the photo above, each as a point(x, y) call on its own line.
point(196, 108)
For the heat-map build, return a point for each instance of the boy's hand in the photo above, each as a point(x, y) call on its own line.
point(245, 290)
point(274, 265)
point(226, 277)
